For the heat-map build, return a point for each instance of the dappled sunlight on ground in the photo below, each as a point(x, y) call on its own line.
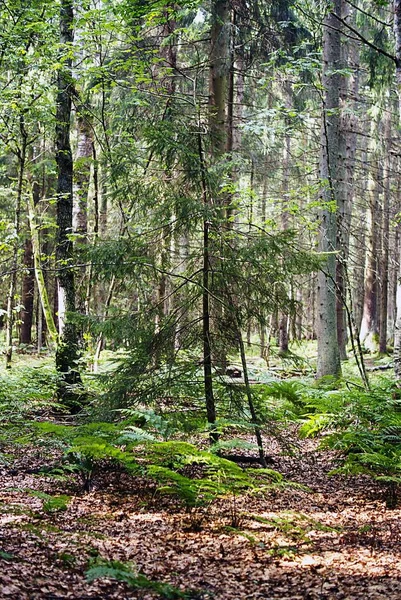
point(331, 539)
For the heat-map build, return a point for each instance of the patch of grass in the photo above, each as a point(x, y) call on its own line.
point(294, 526)
point(7, 556)
point(68, 560)
point(39, 530)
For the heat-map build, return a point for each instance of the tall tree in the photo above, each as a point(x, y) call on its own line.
point(369, 333)
point(397, 330)
point(328, 351)
point(21, 155)
point(67, 351)
point(385, 233)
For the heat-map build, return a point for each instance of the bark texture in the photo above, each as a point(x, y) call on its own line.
point(349, 89)
point(328, 362)
point(67, 351)
point(369, 334)
point(384, 254)
point(28, 291)
point(14, 262)
point(397, 329)
point(40, 280)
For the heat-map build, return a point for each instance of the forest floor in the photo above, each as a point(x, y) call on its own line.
point(333, 539)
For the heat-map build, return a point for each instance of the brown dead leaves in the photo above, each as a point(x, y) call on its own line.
point(336, 541)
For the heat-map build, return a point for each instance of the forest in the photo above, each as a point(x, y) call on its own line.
point(200, 309)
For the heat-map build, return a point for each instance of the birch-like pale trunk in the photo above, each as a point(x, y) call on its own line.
point(81, 186)
point(45, 305)
point(28, 292)
point(394, 255)
point(283, 316)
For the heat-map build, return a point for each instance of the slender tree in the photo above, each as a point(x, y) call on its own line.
point(397, 330)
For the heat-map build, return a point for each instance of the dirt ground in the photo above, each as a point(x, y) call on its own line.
point(333, 539)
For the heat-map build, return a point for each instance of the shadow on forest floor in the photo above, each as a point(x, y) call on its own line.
point(335, 540)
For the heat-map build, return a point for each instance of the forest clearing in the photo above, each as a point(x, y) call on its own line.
point(200, 299)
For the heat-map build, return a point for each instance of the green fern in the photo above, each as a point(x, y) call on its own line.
point(52, 504)
point(290, 391)
point(221, 477)
point(315, 424)
point(147, 420)
point(192, 492)
point(231, 444)
point(126, 572)
point(132, 434)
point(391, 434)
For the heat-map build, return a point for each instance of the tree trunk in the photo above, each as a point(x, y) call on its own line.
point(28, 291)
point(219, 73)
point(397, 329)
point(369, 333)
point(14, 262)
point(349, 86)
point(384, 254)
point(219, 78)
point(328, 362)
point(206, 333)
point(394, 257)
point(67, 351)
point(82, 177)
point(283, 317)
point(44, 304)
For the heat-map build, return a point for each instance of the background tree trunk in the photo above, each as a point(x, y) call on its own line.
point(14, 262)
point(369, 333)
point(28, 292)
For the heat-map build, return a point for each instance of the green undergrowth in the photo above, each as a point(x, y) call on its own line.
point(293, 525)
point(179, 468)
point(26, 390)
point(128, 573)
point(52, 504)
point(363, 426)
point(294, 529)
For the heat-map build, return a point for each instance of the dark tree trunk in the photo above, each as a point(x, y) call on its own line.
point(67, 351)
